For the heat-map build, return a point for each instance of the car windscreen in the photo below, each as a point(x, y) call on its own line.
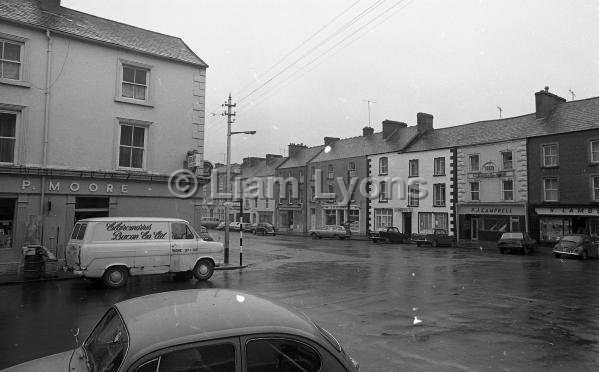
point(106, 347)
point(513, 235)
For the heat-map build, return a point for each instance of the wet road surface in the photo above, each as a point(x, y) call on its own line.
point(393, 307)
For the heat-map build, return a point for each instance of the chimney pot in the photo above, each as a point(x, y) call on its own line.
point(367, 131)
point(545, 102)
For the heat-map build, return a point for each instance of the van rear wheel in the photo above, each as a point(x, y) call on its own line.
point(203, 270)
point(115, 276)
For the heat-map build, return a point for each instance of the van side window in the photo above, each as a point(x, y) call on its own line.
point(79, 231)
point(181, 231)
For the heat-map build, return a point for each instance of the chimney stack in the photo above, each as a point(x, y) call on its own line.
point(293, 148)
point(424, 122)
point(545, 102)
point(328, 141)
point(271, 158)
point(50, 5)
point(367, 131)
point(251, 161)
point(392, 127)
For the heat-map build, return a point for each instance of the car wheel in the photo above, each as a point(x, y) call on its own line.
point(557, 255)
point(115, 276)
point(435, 244)
point(314, 236)
point(584, 255)
point(203, 270)
point(419, 244)
point(375, 241)
point(501, 250)
point(387, 240)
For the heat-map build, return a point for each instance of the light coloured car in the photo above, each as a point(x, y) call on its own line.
point(576, 245)
point(201, 330)
point(330, 231)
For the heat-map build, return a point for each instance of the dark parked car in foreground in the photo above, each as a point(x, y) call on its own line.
point(264, 228)
point(201, 330)
point(436, 238)
point(388, 235)
point(516, 242)
point(576, 245)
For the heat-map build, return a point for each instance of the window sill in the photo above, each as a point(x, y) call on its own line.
point(549, 166)
point(413, 176)
point(383, 174)
point(133, 170)
point(384, 201)
point(439, 175)
point(133, 101)
point(438, 205)
point(17, 83)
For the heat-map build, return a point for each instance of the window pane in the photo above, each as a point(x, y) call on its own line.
point(126, 135)
point(10, 70)
point(7, 150)
point(140, 76)
point(7, 125)
point(281, 356)
point(124, 156)
point(138, 136)
point(137, 157)
point(139, 92)
point(209, 358)
point(127, 90)
point(128, 74)
point(12, 52)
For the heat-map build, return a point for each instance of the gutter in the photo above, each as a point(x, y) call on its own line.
point(46, 127)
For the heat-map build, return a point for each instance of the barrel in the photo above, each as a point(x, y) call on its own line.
point(32, 268)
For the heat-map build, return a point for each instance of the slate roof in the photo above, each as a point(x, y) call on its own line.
point(81, 25)
point(301, 157)
point(269, 170)
point(369, 145)
point(247, 171)
point(570, 116)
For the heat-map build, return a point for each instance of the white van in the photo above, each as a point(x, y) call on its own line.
point(112, 248)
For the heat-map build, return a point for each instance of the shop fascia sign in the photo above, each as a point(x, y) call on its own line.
point(568, 211)
point(74, 187)
point(339, 206)
point(492, 209)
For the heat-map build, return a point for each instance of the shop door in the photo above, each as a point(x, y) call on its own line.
point(7, 215)
point(407, 222)
point(474, 228)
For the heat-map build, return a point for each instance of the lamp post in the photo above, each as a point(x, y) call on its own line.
point(228, 179)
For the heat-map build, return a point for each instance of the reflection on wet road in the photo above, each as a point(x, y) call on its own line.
point(478, 310)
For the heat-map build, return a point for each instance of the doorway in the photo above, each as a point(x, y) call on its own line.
point(7, 216)
point(474, 227)
point(407, 222)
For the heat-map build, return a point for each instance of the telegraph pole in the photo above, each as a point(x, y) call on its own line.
point(229, 114)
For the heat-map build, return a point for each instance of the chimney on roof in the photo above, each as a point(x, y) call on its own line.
point(250, 161)
point(50, 5)
point(424, 122)
point(328, 141)
point(545, 102)
point(367, 131)
point(271, 158)
point(392, 127)
point(294, 148)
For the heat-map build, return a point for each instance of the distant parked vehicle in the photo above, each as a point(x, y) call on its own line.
point(516, 242)
point(221, 226)
point(210, 222)
point(246, 226)
point(576, 245)
point(264, 228)
point(438, 237)
point(389, 235)
point(235, 226)
point(330, 231)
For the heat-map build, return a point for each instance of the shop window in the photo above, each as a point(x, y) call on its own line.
point(439, 195)
point(550, 189)
point(594, 148)
point(552, 228)
point(550, 155)
point(383, 217)
point(508, 190)
point(8, 136)
point(90, 207)
point(506, 160)
point(429, 221)
point(132, 146)
point(474, 163)
point(496, 223)
point(413, 195)
point(595, 181)
point(413, 168)
point(354, 219)
point(330, 217)
point(383, 166)
point(474, 191)
point(439, 166)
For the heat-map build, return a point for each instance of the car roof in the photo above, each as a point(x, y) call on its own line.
point(134, 219)
point(170, 318)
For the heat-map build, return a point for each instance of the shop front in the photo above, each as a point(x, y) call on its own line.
point(335, 214)
point(44, 209)
point(489, 221)
point(554, 222)
point(291, 218)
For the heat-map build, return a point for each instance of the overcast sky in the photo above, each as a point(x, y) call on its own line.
point(301, 70)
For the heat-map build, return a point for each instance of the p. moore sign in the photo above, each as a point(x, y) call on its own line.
point(71, 187)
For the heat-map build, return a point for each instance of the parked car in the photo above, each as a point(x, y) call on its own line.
point(388, 235)
point(576, 245)
point(516, 242)
point(264, 228)
point(114, 248)
point(246, 226)
point(235, 226)
point(209, 222)
point(438, 237)
point(221, 226)
point(330, 231)
point(201, 330)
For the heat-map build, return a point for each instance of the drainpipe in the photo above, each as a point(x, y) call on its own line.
point(46, 126)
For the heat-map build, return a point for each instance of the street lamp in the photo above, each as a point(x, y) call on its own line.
point(229, 115)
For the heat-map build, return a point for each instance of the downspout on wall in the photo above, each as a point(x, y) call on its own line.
point(46, 127)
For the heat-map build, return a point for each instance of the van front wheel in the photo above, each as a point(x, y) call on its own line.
point(203, 270)
point(115, 276)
